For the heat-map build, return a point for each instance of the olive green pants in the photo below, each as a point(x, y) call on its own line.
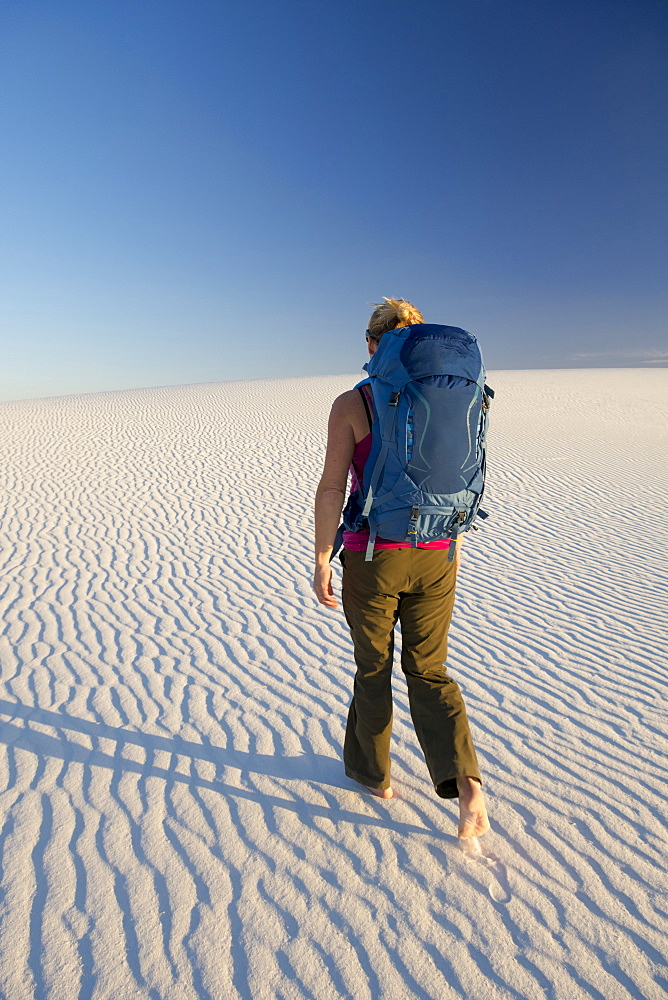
point(415, 587)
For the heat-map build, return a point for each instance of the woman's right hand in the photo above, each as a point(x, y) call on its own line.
point(322, 585)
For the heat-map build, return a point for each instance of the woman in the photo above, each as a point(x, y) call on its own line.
point(415, 586)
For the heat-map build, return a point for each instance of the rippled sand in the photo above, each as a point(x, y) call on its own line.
point(175, 822)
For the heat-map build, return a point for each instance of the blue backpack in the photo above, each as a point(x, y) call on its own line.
point(425, 474)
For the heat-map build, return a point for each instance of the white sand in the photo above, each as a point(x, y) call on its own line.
point(175, 820)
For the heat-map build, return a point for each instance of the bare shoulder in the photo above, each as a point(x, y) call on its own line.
point(348, 410)
point(347, 403)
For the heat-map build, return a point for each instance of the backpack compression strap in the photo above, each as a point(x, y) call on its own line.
point(387, 443)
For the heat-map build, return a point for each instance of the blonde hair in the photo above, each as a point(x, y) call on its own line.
point(390, 314)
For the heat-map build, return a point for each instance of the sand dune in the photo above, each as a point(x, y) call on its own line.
point(175, 819)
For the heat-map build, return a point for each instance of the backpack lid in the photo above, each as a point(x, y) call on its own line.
point(426, 350)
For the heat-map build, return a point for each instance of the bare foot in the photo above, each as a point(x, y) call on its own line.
point(473, 821)
point(381, 793)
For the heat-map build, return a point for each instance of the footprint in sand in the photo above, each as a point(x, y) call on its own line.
point(498, 888)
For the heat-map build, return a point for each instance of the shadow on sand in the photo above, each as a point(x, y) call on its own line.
point(314, 768)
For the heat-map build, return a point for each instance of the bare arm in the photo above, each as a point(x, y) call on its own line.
point(330, 495)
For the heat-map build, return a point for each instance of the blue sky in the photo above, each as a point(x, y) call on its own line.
point(201, 191)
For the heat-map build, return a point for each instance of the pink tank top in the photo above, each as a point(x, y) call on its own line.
point(356, 541)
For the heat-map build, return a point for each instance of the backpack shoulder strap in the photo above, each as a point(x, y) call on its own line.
point(365, 399)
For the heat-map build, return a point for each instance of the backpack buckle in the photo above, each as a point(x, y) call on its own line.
point(394, 399)
point(413, 521)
